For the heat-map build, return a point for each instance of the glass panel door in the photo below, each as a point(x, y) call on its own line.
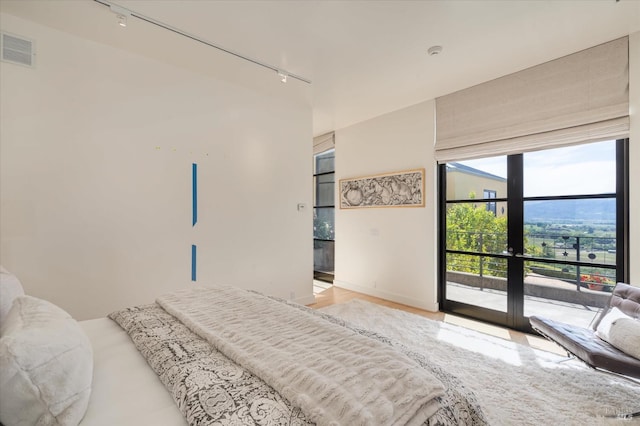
point(541, 233)
point(570, 229)
point(476, 234)
point(324, 216)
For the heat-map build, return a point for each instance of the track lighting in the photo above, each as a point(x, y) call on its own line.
point(122, 20)
point(121, 14)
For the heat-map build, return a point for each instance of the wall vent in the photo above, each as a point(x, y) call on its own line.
point(17, 50)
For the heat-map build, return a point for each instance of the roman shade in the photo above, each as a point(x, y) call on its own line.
point(583, 97)
point(323, 143)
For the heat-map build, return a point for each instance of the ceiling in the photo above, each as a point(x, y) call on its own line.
point(363, 58)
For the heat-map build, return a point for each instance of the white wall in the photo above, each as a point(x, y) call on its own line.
point(96, 149)
point(389, 252)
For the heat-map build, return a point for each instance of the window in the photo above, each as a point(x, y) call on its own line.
point(491, 205)
point(559, 249)
point(324, 215)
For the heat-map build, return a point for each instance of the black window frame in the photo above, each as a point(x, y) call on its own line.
point(516, 215)
point(319, 242)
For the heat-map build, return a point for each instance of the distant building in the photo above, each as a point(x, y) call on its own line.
point(464, 182)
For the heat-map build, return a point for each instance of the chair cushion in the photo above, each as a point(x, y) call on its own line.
point(607, 322)
point(625, 335)
point(626, 298)
point(584, 344)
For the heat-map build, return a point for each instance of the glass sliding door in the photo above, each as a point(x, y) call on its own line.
point(546, 237)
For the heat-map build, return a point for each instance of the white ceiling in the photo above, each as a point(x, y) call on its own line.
point(364, 58)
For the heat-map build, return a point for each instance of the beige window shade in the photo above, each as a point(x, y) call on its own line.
point(323, 143)
point(578, 98)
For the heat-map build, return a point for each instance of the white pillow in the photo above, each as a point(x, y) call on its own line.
point(46, 366)
point(605, 324)
point(10, 288)
point(625, 335)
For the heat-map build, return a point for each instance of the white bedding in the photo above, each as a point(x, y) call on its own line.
point(355, 380)
point(126, 391)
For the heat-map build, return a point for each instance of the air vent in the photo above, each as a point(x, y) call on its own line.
point(17, 50)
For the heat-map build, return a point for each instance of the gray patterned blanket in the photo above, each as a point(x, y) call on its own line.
point(209, 388)
point(335, 375)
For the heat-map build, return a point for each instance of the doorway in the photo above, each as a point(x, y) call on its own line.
point(535, 233)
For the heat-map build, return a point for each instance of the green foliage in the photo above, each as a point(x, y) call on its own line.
point(323, 230)
point(474, 229)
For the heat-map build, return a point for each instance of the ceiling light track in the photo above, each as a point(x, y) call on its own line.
point(129, 12)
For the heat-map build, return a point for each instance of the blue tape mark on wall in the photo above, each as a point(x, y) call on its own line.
point(193, 262)
point(194, 186)
point(194, 212)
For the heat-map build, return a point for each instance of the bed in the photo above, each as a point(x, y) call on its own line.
point(125, 391)
point(205, 356)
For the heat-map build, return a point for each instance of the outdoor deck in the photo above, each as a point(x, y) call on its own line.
point(546, 297)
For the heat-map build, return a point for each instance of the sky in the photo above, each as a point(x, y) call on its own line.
point(573, 170)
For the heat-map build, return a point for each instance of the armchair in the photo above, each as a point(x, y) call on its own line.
point(584, 343)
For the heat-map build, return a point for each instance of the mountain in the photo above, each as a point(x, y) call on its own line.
point(571, 211)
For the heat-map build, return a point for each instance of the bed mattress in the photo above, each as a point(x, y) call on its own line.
point(125, 391)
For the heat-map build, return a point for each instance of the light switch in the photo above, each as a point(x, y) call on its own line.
point(302, 207)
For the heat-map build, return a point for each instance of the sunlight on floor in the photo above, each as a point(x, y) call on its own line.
point(482, 343)
point(478, 326)
point(326, 294)
point(320, 286)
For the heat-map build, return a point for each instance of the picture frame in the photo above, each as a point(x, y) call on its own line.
point(396, 189)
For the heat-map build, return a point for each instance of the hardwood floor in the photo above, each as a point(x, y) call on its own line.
point(327, 295)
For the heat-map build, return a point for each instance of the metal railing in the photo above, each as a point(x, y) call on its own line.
point(590, 260)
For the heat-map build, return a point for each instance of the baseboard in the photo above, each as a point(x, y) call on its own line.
point(393, 297)
point(306, 300)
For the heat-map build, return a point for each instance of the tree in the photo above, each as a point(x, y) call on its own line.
point(475, 229)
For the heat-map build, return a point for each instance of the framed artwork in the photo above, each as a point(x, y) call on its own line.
point(399, 189)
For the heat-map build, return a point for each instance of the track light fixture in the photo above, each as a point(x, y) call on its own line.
point(121, 14)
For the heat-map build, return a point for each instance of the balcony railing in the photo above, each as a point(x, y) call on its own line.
point(586, 261)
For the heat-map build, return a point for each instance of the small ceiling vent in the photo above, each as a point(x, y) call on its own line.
point(17, 50)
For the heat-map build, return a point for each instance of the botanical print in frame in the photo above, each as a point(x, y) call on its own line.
point(399, 189)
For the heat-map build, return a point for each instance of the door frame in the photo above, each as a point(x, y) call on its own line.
point(514, 316)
